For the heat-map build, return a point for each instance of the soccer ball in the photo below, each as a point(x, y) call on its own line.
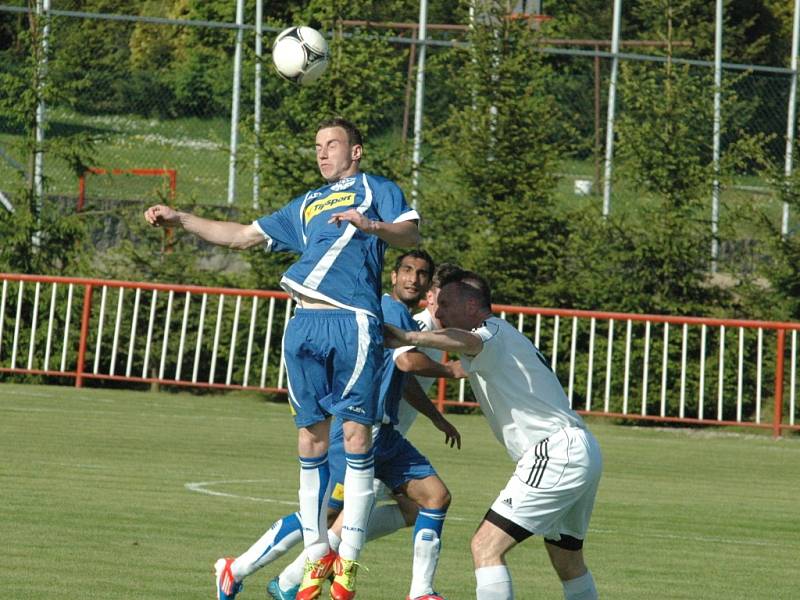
point(300, 54)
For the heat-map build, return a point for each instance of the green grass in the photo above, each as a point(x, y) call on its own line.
point(94, 502)
point(196, 148)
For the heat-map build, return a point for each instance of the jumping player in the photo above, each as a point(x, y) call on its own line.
point(341, 231)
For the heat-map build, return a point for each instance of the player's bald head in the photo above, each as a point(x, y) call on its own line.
point(469, 286)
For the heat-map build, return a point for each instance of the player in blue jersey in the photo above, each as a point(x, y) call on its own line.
point(333, 344)
point(398, 464)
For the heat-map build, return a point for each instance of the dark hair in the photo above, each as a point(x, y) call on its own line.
point(471, 285)
point(416, 253)
point(354, 137)
point(443, 271)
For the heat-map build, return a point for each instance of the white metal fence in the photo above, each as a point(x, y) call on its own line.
point(638, 367)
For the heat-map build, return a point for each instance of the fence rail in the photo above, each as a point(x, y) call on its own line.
point(627, 366)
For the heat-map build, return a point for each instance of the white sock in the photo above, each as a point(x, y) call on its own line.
point(313, 496)
point(494, 583)
point(283, 534)
point(334, 541)
point(580, 588)
point(426, 557)
point(292, 575)
point(385, 519)
point(358, 500)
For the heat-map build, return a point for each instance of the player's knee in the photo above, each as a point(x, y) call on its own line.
point(483, 550)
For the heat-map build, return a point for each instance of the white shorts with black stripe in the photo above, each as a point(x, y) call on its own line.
point(553, 489)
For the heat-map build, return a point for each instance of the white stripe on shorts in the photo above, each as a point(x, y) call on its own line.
point(362, 321)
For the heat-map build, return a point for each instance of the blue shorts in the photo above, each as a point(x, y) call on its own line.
point(397, 462)
point(333, 362)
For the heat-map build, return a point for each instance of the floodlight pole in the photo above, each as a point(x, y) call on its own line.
point(257, 100)
point(792, 113)
point(43, 14)
point(716, 134)
point(612, 99)
point(237, 78)
point(419, 100)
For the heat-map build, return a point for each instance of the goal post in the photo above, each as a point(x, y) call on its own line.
point(169, 177)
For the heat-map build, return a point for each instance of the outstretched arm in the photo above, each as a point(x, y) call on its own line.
point(222, 233)
point(418, 363)
point(450, 340)
point(404, 234)
point(417, 398)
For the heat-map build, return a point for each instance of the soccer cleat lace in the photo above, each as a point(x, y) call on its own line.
point(274, 591)
point(431, 596)
point(315, 574)
point(227, 586)
point(344, 579)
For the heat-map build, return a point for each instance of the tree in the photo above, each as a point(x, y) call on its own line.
point(500, 145)
point(37, 236)
point(656, 257)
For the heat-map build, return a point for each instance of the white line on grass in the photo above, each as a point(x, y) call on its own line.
point(201, 487)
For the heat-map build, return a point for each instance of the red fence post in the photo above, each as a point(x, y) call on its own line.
point(777, 417)
point(84, 338)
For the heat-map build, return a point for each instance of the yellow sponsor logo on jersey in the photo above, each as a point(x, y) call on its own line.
point(335, 200)
point(338, 492)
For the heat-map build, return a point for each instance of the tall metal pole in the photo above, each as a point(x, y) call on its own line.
point(716, 140)
point(43, 16)
point(612, 99)
point(418, 103)
point(257, 101)
point(237, 79)
point(792, 112)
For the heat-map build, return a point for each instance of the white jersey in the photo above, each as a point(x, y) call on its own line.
point(407, 413)
point(520, 396)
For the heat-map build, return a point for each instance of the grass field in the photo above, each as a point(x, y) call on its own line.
point(128, 495)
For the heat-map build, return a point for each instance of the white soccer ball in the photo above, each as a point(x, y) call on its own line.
point(300, 54)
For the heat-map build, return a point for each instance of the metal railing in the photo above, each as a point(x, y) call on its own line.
point(626, 366)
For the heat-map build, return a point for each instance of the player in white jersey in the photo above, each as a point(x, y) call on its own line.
point(333, 344)
point(559, 463)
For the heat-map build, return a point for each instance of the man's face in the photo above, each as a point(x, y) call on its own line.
point(453, 310)
point(335, 157)
point(411, 280)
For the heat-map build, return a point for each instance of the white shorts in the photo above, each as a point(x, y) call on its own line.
point(553, 489)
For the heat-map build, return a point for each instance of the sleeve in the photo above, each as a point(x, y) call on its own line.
point(391, 204)
point(282, 229)
point(394, 314)
point(489, 334)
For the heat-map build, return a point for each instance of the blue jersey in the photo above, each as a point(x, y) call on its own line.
point(338, 264)
point(393, 379)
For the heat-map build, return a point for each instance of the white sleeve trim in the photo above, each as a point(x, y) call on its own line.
point(267, 239)
point(411, 215)
point(401, 350)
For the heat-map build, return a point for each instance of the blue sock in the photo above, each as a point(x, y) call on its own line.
point(427, 546)
point(430, 518)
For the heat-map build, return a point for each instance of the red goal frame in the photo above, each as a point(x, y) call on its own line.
point(170, 174)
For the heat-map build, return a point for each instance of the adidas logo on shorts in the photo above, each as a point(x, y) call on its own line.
point(507, 502)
